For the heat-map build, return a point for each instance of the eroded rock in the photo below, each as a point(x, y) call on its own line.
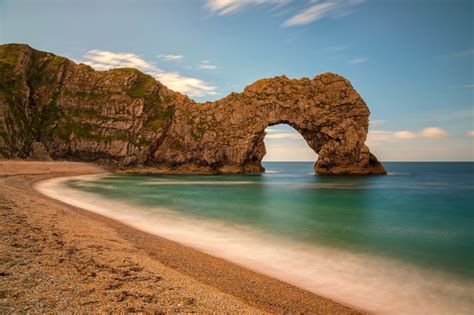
point(127, 118)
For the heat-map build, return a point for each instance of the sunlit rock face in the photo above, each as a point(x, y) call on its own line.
point(126, 118)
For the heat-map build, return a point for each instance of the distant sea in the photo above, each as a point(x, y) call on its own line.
point(402, 243)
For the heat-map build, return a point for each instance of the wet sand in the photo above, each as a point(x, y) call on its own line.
point(56, 258)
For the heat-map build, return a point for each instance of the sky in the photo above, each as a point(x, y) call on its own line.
point(412, 61)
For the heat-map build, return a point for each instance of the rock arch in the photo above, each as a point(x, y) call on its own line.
point(126, 118)
point(227, 135)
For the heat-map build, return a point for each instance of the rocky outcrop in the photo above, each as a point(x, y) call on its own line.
point(127, 118)
point(38, 152)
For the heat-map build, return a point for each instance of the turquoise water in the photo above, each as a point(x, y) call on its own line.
point(422, 213)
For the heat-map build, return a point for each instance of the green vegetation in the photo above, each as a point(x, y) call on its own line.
point(152, 102)
point(158, 115)
point(160, 118)
point(11, 84)
point(142, 142)
point(14, 92)
point(86, 131)
point(7, 55)
point(30, 121)
point(43, 124)
point(86, 96)
point(200, 128)
point(141, 84)
point(44, 69)
point(198, 133)
point(91, 113)
point(40, 109)
point(177, 146)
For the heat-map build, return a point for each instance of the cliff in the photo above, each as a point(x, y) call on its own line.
point(51, 107)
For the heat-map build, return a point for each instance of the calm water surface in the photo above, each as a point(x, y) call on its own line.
point(422, 213)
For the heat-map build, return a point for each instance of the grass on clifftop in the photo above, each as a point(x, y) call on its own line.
point(141, 84)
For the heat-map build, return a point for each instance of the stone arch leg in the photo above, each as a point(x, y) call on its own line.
point(337, 158)
point(257, 151)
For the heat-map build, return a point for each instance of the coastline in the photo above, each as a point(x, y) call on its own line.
point(82, 261)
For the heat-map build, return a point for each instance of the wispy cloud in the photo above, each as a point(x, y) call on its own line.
point(190, 86)
point(319, 10)
point(282, 134)
point(105, 60)
point(461, 53)
point(355, 61)
point(446, 114)
point(379, 136)
point(314, 11)
point(224, 7)
point(171, 57)
point(468, 86)
point(311, 14)
point(404, 134)
point(291, 153)
point(383, 136)
point(470, 133)
point(377, 122)
point(336, 49)
point(433, 132)
point(206, 65)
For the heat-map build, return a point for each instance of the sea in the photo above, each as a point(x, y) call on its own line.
point(396, 244)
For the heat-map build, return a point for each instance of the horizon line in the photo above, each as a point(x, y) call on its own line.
point(446, 161)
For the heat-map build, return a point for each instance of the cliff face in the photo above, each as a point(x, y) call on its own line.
point(77, 113)
point(50, 106)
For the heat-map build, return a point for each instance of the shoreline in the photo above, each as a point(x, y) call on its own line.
point(214, 284)
point(344, 276)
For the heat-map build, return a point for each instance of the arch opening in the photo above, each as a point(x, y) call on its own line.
point(283, 143)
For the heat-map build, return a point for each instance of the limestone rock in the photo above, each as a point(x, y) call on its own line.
point(127, 118)
point(38, 152)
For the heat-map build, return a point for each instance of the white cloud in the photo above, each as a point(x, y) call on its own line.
point(296, 152)
point(171, 57)
point(405, 135)
point(206, 65)
point(280, 134)
point(469, 86)
point(311, 14)
point(105, 60)
point(189, 86)
point(320, 10)
point(284, 143)
point(384, 136)
point(433, 132)
point(470, 133)
point(358, 60)
point(223, 7)
point(316, 10)
point(379, 136)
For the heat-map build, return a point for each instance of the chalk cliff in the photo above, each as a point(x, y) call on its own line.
point(50, 107)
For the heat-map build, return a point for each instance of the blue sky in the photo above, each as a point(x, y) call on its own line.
point(411, 61)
